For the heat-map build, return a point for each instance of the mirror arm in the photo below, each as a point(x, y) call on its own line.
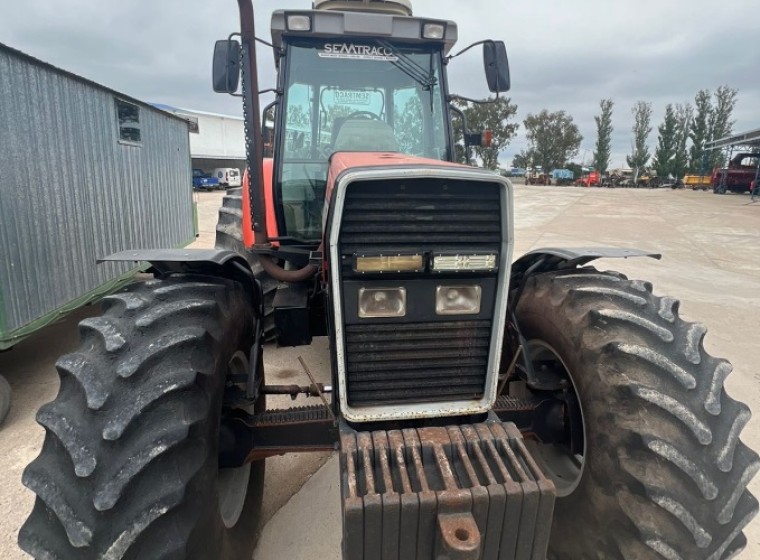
point(263, 42)
point(452, 56)
point(271, 90)
point(451, 98)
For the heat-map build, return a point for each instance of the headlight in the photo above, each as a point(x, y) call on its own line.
point(457, 263)
point(389, 263)
point(457, 300)
point(382, 302)
point(382, 263)
point(433, 31)
point(299, 23)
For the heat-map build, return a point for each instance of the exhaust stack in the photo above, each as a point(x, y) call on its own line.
point(396, 7)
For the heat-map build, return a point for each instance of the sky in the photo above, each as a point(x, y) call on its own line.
point(564, 54)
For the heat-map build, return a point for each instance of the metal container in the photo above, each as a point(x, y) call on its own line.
point(84, 172)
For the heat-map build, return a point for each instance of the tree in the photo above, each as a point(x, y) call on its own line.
point(554, 138)
point(496, 116)
point(523, 159)
point(575, 168)
point(666, 144)
point(699, 132)
point(408, 126)
point(720, 123)
point(603, 136)
point(639, 158)
point(684, 118)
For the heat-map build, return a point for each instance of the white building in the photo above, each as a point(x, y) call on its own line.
point(215, 140)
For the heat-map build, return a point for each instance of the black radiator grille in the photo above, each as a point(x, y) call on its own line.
point(422, 362)
point(422, 215)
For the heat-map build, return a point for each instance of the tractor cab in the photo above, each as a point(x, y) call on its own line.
point(344, 94)
point(353, 77)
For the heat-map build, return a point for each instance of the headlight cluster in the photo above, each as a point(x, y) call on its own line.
point(375, 303)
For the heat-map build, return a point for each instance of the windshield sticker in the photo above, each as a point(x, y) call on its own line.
point(358, 52)
point(342, 97)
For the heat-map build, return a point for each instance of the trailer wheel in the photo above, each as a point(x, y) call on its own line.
point(650, 465)
point(229, 235)
point(5, 398)
point(129, 468)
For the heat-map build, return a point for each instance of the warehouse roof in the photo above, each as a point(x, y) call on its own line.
point(37, 62)
point(748, 139)
point(172, 109)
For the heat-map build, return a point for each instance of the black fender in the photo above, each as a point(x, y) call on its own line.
point(211, 262)
point(549, 259)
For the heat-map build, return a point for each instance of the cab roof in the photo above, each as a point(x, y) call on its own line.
point(336, 25)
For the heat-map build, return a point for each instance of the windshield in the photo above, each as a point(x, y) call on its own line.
point(354, 96)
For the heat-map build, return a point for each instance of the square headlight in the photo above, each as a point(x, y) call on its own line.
point(433, 31)
point(382, 302)
point(457, 300)
point(299, 23)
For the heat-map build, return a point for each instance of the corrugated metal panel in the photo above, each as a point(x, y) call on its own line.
point(70, 192)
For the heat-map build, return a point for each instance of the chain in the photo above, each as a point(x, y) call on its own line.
point(248, 133)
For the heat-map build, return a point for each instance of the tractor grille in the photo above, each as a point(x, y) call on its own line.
point(424, 357)
point(423, 362)
point(424, 215)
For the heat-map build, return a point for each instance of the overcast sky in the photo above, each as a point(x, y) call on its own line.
point(564, 54)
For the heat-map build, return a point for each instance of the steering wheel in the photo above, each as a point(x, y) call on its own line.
point(368, 114)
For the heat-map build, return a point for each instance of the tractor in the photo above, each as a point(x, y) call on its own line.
point(483, 407)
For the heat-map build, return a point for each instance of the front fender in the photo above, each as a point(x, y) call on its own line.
point(549, 259)
point(211, 262)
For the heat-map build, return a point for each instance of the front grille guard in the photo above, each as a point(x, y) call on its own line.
point(418, 410)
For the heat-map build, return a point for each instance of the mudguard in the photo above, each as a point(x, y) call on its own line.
point(548, 259)
point(213, 262)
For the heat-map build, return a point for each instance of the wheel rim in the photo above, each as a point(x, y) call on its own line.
point(232, 484)
point(557, 460)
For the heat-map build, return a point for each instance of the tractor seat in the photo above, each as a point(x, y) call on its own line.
point(365, 135)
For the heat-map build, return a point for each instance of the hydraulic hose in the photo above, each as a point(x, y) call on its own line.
point(290, 276)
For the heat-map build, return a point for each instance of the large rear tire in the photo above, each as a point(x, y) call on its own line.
point(129, 465)
point(229, 235)
point(663, 474)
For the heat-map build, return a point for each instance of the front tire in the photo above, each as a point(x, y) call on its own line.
point(129, 467)
point(664, 474)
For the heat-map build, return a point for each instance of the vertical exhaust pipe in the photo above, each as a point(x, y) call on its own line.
point(255, 149)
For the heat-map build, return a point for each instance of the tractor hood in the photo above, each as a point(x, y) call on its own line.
point(342, 162)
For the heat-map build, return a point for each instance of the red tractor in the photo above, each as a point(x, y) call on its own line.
point(738, 176)
point(483, 407)
point(593, 179)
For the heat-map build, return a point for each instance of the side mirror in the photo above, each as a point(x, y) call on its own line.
point(497, 66)
point(226, 72)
